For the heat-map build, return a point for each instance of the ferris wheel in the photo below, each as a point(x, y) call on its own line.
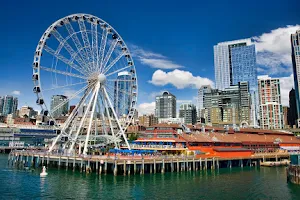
point(82, 63)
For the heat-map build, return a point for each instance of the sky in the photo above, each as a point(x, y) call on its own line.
point(171, 41)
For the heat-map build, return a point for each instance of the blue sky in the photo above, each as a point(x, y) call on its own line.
point(172, 41)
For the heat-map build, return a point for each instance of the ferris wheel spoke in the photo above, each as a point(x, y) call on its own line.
point(64, 44)
point(116, 117)
point(102, 46)
point(64, 86)
point(65, 60)
point(119, 70)
point(106, 69)
point(62, 72)
point(95, 45)
point(85, 39)
point(76, 41)
point(110, 50)
point(120, 80)
point(119, 90)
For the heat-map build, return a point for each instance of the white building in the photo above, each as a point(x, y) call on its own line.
point(28, 111)
point(171, 120)
point(271, 112)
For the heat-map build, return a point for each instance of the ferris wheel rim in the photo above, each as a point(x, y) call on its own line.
point(40, 48)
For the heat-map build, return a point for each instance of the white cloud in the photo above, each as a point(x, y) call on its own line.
point(146, 108)
point(274, 50)
point(286, 84)
point(154, 60)
point(179, 78)
point(16, 92)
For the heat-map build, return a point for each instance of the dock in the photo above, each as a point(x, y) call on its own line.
point(126, 165)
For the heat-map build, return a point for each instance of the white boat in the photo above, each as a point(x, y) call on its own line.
point(43, 173)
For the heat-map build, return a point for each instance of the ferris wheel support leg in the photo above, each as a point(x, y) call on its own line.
point(91, 120)
point(109, 119)
point(81, 122)
point(118, 122)
point(54, 143)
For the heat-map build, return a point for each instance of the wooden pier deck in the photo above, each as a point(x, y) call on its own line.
point(127, 165)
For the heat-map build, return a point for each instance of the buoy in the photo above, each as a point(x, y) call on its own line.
point(43, 173)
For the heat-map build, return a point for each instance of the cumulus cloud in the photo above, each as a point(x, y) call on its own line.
point(274, 50)
point(179, 78)
point(146, 108)
point(16, 92)
point(286, 84)
point(154, 60)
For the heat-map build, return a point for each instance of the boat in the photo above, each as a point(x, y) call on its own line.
point(43, 173)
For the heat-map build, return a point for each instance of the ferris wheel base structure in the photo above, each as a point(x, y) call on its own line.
point(83, 58)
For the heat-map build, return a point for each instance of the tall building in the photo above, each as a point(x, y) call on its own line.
point(188, 111)
point(230, 106)
point(235, 61)
point(271, 112)
point(295, 43)
point(201, 91)
point(122, 89)
point(165, 105)
point(10, 105)
point(292, 114)
point(1, 105)
point(59, 111)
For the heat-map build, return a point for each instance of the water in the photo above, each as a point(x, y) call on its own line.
point(247, 183)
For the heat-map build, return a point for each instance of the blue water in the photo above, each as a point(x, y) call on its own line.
point(246, 183)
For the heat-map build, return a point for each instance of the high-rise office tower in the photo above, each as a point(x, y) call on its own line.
point(165, 105)
point(235, 61)
point(58, 111)
point(122, 88)
point(271, 112)
point(1, 105)
point(204, 89)
point(292, 113)
point(188, 111)
point(10, 105)
point(295, 43)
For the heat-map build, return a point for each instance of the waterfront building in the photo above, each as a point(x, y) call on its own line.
point(203, 89)
point(235, 61)
point(27, 111)
point(165, 105)
point(228, 107)
point(271, 113)
point(292, 114)
point(62, 110)
point(188, 111)
point(295, 44)
point(122, 88)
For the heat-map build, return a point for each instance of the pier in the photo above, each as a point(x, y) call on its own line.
point(127, 165)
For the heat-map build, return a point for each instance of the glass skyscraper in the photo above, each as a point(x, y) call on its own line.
point(165, 105)
point(9, 105)
point(122, 89)
point(295, 41)
point(235, 62)
point(62, 110)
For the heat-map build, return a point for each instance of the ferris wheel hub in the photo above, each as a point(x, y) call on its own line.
point(101, 78)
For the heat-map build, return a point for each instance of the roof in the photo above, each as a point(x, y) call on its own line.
point(160, 140)
point(166, 125)
point(240, 138)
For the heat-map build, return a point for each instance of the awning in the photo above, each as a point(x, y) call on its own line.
point(290, 148)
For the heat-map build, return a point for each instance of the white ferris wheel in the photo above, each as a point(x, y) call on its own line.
point(82, 61)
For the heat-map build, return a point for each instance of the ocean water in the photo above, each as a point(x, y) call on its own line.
point(235, 183)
